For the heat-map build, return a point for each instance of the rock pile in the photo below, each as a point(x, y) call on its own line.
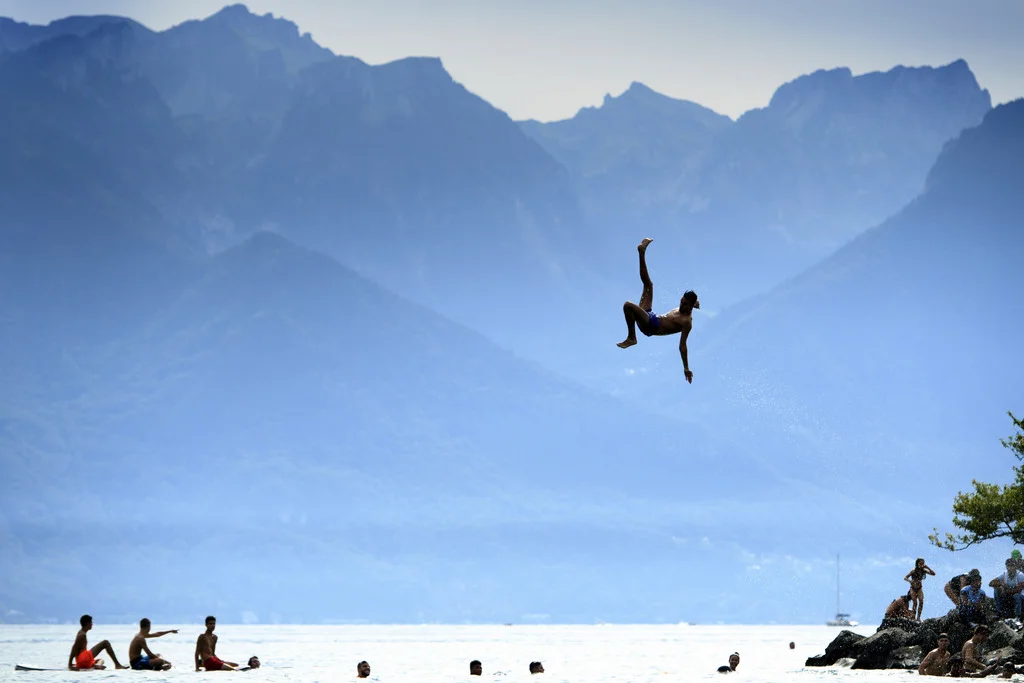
point(905, 647)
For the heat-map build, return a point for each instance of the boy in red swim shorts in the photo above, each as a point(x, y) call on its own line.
point(206, 650)
point(84, 658)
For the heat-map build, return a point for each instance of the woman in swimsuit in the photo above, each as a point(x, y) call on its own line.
point(916, 577)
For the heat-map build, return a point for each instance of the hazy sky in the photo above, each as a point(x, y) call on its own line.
point(545, 59)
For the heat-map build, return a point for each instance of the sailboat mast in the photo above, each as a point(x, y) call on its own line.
point(837, 583)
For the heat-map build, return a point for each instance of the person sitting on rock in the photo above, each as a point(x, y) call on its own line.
point(935, 662)
point(954, 586)
point(972, 601)
point(899, 615)
point(1008, 587)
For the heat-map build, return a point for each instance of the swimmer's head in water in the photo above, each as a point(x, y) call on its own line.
point(254, 662)
point(689, 301)
point(363, 669)
point(476, 668)
point(734, 659)
point(536, 668)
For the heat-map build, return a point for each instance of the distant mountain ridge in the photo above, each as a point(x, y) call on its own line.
point(752, 202)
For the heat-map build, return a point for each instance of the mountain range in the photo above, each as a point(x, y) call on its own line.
point(288, 333)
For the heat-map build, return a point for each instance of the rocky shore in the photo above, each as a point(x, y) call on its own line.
point(904, 646)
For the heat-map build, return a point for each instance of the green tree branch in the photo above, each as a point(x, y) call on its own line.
point(991, 510)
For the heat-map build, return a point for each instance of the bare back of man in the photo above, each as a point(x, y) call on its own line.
point(677, 321)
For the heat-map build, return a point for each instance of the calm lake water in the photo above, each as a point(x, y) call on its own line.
point(428, 653)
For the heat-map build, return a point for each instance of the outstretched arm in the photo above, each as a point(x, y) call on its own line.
point(160, 633)
point(682, 350)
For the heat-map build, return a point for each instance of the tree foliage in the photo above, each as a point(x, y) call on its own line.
point(991, 510)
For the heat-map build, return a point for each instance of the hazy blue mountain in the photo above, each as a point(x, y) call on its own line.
point(267, 131)
point(270, 429)
point(747, 205)
point(893, 362)
point(268, 415)
point(624, 152)
point(16, 35)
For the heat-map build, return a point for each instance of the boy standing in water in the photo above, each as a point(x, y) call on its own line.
point(84, 658)
point(916, 577)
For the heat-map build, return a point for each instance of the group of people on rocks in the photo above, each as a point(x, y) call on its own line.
point(965, 592)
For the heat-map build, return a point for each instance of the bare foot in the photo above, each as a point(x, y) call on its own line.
point(625, 344)
point(121, 666)
point(643, 243)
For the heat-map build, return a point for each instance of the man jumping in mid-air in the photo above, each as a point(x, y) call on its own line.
point(678, 320)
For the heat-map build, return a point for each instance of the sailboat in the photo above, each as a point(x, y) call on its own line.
point(842, 619)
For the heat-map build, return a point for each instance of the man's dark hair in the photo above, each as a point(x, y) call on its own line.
point(209, 619)
point(475, 662)
point(982, 628)
point(534, 666)
point(144, 623)
point(84, 620)
point(942, 635)
point(690, 296)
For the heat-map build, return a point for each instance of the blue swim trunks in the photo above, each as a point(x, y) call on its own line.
point(652, 322)
point(141, 663)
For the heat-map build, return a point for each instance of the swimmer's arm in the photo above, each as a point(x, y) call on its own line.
point(683, 334)
point(146, 648)
point(196, 656)
point(928, 569)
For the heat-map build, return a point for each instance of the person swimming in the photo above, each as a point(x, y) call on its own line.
point(734, 662)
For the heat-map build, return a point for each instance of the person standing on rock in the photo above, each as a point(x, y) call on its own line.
point(934, 663)
point(916, 576)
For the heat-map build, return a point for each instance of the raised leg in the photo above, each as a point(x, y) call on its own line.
point(105, 647)
point(647, 296)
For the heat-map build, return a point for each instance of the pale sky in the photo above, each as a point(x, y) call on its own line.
point(545, 59)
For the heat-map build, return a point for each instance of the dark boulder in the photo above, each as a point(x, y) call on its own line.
point(906, 657)
point(875, 649)
point(844, 645)
point(1002, 636)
